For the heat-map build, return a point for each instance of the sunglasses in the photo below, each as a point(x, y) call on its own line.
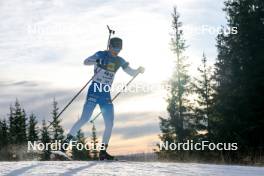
point(117, 49)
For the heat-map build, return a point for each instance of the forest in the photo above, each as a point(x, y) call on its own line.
point(229, 95)
point(19, 129)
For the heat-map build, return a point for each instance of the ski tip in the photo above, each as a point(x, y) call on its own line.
point(56, 154)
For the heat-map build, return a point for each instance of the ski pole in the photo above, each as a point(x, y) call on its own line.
point(109, 37)
point(92, 121)
point(70, 102)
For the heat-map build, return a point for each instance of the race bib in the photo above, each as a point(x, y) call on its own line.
point(104, 77)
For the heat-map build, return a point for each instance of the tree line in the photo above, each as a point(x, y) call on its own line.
point(19, 128)
point(224, 102)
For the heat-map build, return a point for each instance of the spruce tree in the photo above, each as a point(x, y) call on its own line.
point(4, 153)
point(1, 134)
point(203, 87)
point(167, 135)
point(17, 124)
point(12, 126)
point(178, 105)
point(32, 128)
point(23, 125)
point(57, 130)
point(239, 76)
point(80, 154)
point(45, 138)
point(94, 140)
point(179, 127)
point(4, 133)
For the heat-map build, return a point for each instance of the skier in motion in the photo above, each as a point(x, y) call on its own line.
point(106, 63)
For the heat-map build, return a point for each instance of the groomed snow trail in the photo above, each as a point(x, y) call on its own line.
point(45, 168)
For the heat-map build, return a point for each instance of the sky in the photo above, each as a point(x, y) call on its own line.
point(43, 44)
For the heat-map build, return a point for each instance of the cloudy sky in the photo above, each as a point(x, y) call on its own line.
point(43, 44)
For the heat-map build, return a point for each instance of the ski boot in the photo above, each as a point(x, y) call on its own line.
point(103, 155)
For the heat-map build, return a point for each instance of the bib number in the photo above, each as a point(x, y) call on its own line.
point(104, 77)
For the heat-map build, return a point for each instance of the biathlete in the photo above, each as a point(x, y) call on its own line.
point(106, 63)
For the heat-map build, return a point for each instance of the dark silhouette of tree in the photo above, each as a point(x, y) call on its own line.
point(203, 87)
point(45, 138)
point(178, 107)
point(56, 128)
point(17, 124)
point(12, 126)
point(32, 128)
point(179, 126)
point(94, 140)
point(3, 134)
point(239, 75)
point(78, 153)
point(4, 152)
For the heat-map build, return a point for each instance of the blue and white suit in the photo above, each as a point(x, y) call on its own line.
point(103, 76)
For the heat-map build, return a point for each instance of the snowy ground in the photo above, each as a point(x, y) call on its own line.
point(124, 168)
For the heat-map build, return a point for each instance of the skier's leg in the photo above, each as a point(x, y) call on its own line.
point(107, 110)
point(86, 115)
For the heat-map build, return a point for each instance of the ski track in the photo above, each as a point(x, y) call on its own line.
point(99, 168)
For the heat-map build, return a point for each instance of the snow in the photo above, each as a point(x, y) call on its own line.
point(124, 168)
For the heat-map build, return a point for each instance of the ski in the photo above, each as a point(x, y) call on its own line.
point(56, 154)
point(115, 160)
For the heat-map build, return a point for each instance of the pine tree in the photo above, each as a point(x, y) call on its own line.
point(57, 130)
point(94, 143)
point(45, 138)
point(203, 87)
point(80, 154)
point(32, 128)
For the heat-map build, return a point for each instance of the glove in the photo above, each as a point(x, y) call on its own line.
point(141, 70)
point(101, 61)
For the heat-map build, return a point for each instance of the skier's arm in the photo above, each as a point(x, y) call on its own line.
point(131, 71)
point(97, 58)
point(91, 60)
